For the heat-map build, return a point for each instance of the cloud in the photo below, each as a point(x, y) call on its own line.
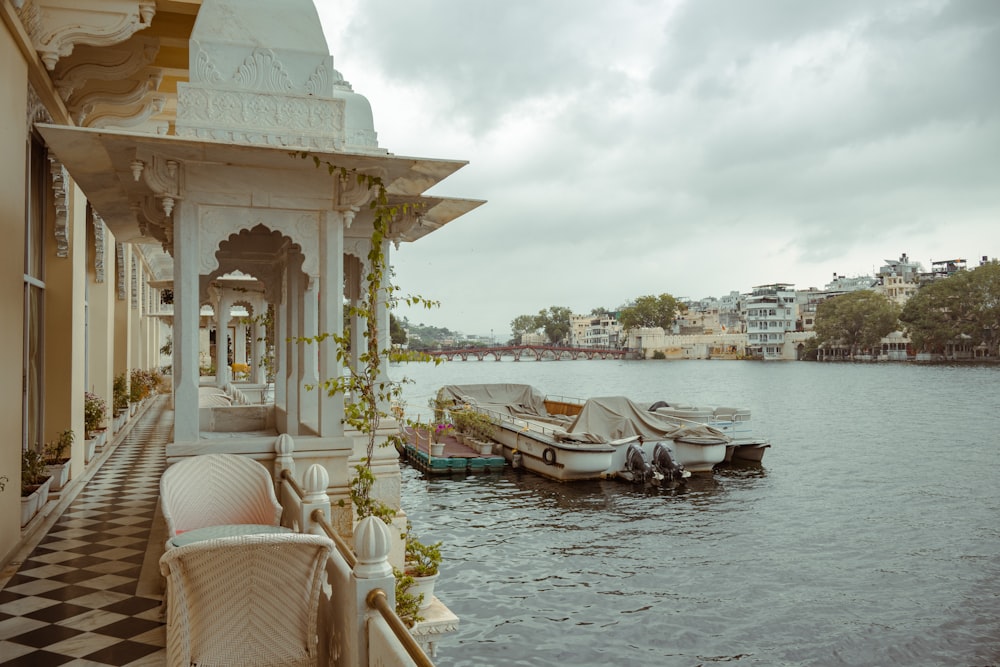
point(689, 147)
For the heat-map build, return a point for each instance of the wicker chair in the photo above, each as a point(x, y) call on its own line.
point(248, 600)
point(217, 489)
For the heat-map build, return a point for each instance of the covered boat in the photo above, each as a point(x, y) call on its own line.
point(591, 439)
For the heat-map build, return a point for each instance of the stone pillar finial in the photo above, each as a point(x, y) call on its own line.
point(372, 544)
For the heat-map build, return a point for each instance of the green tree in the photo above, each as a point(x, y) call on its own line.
point(857, 320)
point(555, 322)
point(650, 311)
point(985, 282)
point(966, 305)
point(523, 324)
point(397, 333)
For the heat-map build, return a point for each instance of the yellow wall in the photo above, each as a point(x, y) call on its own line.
point(13, 130)
point(64, 331)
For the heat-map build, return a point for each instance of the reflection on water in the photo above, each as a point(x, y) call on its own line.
point(869, 534)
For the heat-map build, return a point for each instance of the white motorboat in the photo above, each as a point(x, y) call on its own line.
point(734, 422)
point(570, 439)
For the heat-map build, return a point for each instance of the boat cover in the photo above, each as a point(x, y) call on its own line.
point(519, 400)
point(600, 420)
point(616, 417)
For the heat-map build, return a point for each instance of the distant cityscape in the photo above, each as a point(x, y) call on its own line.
point(771, 321)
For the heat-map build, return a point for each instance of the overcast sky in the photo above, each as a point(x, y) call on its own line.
point(694, 148)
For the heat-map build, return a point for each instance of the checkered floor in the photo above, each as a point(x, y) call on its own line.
point(76, 599)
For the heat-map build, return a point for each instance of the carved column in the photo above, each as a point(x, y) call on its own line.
point(307, 358)
point(280, 353)
point(292, 329)
point(222, 316)
point(331, 315)
point(382, 318)
point(186, 323)
point(240, 344)
point(358, 324)
point(259, 343)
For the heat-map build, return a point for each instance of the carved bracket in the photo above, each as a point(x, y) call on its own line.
point(91, 63)
point(164, 177)
point(55, 27)
point(60, 185)
point(120, 267)
point(99, 229)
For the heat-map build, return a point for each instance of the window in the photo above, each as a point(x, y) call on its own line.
point(37, 202)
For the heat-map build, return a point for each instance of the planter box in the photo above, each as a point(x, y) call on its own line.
point(100, 438)
point(29, 508)
point(90, 448)
point(59, 473)
point(35, 501)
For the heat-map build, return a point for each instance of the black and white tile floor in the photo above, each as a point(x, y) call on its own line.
point(76, 598)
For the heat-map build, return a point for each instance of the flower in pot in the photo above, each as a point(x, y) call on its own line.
point(442, 431)
point(56, 458)
point(94, 411)
point(121, 393)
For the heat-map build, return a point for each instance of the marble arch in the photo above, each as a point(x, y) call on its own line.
point(218, 223)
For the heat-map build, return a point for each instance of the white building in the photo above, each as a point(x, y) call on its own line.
point(595, 331)
point(772, 311)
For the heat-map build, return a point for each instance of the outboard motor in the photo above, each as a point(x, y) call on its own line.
point(664, 463)
point(637, 467)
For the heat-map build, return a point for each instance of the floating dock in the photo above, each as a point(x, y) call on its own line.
point(457, 458)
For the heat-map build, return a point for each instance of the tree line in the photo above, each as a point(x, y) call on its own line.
point(962, 309)
point(556, 323)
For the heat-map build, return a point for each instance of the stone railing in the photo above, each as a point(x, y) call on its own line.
point(357, 620)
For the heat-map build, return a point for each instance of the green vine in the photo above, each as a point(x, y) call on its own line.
point(370, 394)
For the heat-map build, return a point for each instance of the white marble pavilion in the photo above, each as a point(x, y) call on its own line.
point(222, 191)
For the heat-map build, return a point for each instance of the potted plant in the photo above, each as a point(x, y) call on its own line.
point(57, 456)
point(407, 603)
point(120, 395)
point(422, 562)
point(94, 412)
point(440, 432)
point(34, 484)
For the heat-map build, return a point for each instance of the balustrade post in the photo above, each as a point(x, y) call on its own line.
point(284, 448)
point(315, 483)
point(372, 544)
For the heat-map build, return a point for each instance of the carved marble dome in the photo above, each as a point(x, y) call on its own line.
point(286, 93)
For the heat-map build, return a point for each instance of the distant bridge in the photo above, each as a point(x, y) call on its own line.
point(538, 352)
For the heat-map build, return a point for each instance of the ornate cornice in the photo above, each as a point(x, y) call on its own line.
point(128, 93)
point(60, 185)
point(117, 63)
point(56, 27)
point(124, 115)
point(259, 118)
point(262, 71)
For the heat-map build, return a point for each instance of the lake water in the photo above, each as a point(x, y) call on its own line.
point(870, 535)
